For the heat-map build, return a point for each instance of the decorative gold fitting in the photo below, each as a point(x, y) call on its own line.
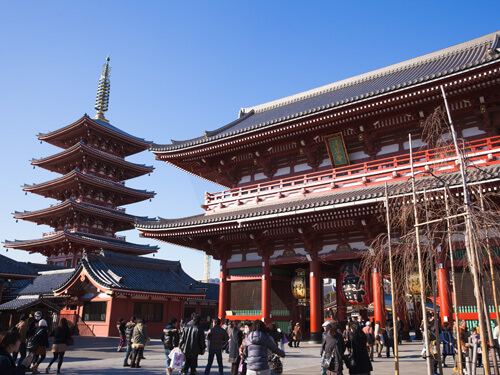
point(482, 108)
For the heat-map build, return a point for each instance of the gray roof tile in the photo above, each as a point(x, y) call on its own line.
point(389, 79)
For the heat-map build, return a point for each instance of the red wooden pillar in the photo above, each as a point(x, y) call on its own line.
point(446, 312)
point(341, 304)
point(223, 290)
point(315, 299)
point(378, 298)
point(266, 291)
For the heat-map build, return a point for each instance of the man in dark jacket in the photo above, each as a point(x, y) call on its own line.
point(129, 328)
point(170, 339)
point(192, 345)
point(217, 337)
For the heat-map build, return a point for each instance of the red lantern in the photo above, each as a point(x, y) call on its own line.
point(354, 287)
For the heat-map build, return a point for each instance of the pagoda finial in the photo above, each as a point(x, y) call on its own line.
point(102, 98)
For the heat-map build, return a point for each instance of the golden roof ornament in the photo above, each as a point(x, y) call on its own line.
point(102, 98)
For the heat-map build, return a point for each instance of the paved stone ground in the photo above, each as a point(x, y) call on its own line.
point(98, 356)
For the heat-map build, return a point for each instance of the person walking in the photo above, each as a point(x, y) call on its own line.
point(448, 341)
point(170, 339)
point(62, 335)
point(235, 341)
point(9, 344)
point(290, 334)
point(22, 328)
point(399, 329)
point(140, 339)
point(476, 339)
point(378, 340)
point(333, 347)
point(388, 340)
point(41, 340)
point(370, 339)
point(217, 338)
point(297, 335)
point(129, 329)
point(256, 348)
point(192, 344)
point(120, 326)
point(360, 363)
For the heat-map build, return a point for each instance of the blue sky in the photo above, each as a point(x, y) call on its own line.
point(186, 66)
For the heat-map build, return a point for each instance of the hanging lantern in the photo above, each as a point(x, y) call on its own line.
point(299, 286)
point(355, 290)
point(414, 284)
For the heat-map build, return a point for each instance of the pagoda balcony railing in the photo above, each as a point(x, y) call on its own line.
point(479, 152)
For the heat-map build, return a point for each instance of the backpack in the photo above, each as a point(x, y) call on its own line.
point(369, 339)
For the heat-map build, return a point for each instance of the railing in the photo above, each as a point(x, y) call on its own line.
point(437, 160)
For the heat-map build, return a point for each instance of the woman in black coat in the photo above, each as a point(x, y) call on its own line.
point(235, 341)
point(357, 342)
point(333, 347)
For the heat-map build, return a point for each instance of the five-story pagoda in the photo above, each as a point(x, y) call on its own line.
point(91, 189)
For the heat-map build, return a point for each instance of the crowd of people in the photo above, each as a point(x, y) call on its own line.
point(252, 347)
point(29, 339)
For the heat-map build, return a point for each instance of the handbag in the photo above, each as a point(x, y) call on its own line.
point(32, 343)
point(275, 364)
point(327, 362)
point(70, 341)
point(349, 361)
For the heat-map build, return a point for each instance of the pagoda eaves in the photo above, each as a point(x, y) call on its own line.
point(97, 134)
point(78, 184)
point(77, 212)
point(92, 161)
point(66, 242)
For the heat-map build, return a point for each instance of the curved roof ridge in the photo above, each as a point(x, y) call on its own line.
point(416, 61)
point(92, 177)
point(81, 143)
point(100, 123)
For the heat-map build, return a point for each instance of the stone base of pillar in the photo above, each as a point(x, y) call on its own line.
point(316, 337)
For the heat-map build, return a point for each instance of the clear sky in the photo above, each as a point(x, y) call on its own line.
point(181, 67)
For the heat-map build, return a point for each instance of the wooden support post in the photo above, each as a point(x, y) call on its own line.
point(316, 297)
point(378, 298)
point(341, 304)
point(223, 290)
point(266, 291)
point(444, 293)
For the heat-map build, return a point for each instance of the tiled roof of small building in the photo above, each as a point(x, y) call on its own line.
point(46, 282)
point(24, 303)
point(317, 201)
point(396, 77)
point(13, 267)
point(125, 272)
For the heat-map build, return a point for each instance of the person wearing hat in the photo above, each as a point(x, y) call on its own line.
point(297, 335)
point(370, 339)
point(41, 339)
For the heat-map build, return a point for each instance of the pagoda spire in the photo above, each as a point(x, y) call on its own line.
point(102, 98)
